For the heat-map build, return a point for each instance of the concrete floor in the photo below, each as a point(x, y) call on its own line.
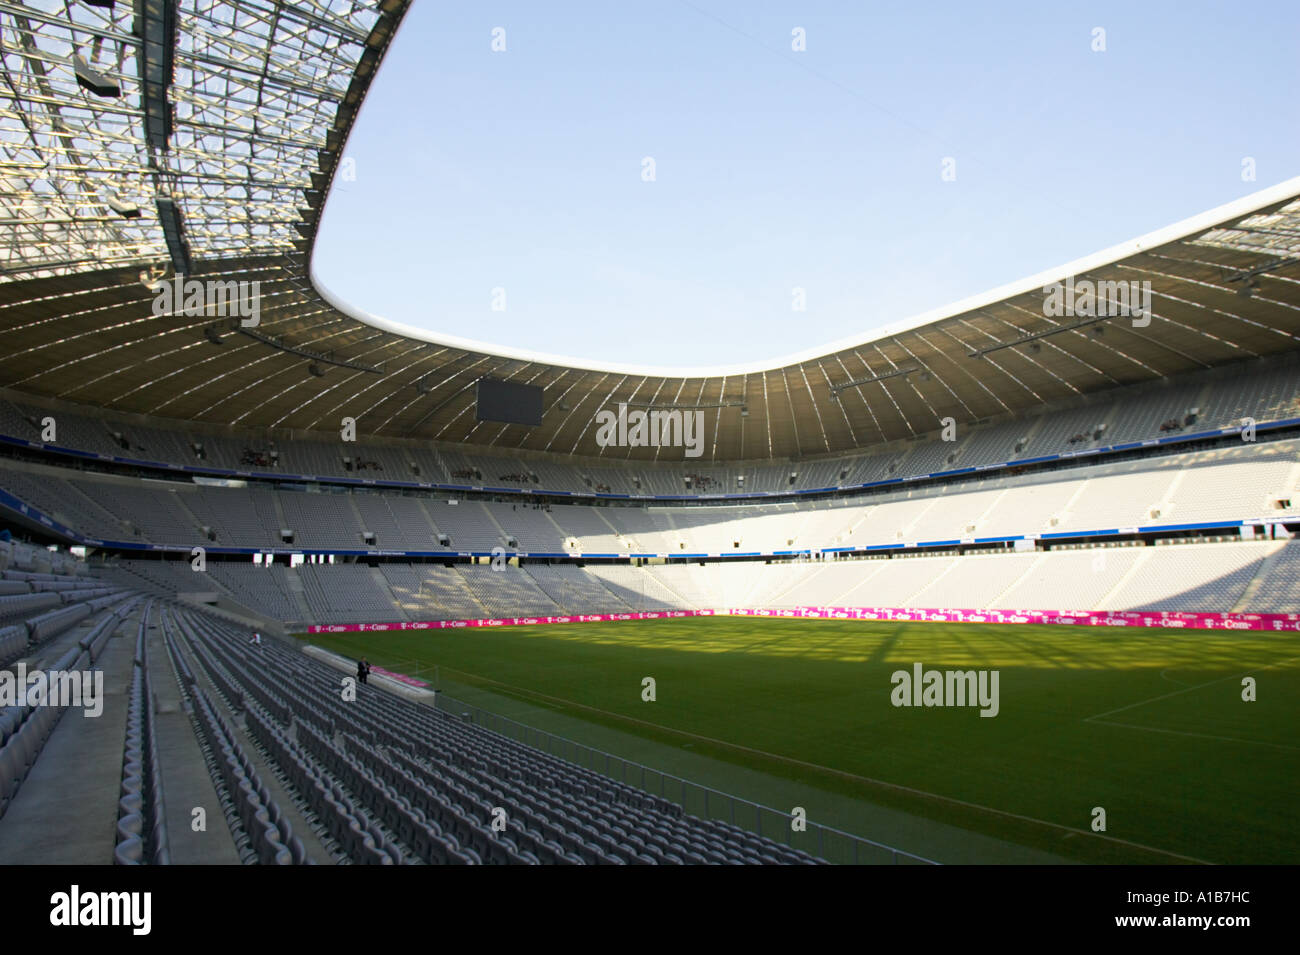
point(65, 812)
point(187, 785)
point(311, 843)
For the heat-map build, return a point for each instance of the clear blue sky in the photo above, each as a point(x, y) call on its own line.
point(775, 169)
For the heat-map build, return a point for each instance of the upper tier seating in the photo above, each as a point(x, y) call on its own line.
point(1191, 403)
point(1226, 484)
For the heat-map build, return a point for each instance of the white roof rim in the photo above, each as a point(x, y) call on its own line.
point(1236, 209)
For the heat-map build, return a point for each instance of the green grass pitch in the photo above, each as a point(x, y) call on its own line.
point(1149, 725)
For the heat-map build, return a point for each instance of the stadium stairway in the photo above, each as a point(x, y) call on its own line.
point(1247, 601)
point(381, 584)
point(341, 829)
point(265, 826)
point(394, 782)
point(1030, 566)
point(91, 790)
point(1133, 571)
point(299, 825)
point(196, 520)
point(492, 519)
point(279, 515)
point(65, 811)
point(186, 782)
point(293, 584)
point(681, 600)
point(561, 534)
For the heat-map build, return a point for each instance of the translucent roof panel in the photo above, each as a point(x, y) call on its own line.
point(255, 89)
point(1276, 233)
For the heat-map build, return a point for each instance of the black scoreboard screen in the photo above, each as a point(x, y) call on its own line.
point(509, 403)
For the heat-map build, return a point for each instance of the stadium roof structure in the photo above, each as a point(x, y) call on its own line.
point(197, 139)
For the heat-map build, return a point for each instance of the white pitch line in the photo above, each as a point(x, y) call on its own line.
point(1226, 739)
point(840, 772)
point(1165, 696)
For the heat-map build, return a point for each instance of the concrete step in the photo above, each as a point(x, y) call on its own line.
point(65, 812)
point(302, 828)
point(187, 784)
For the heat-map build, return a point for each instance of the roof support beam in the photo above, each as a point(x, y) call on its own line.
point(173, 226)
point(308, 353)
point(155, 24)
point(858, 383)
point(1026, 339)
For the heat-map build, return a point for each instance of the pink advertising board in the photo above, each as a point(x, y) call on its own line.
point(1087, 618)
